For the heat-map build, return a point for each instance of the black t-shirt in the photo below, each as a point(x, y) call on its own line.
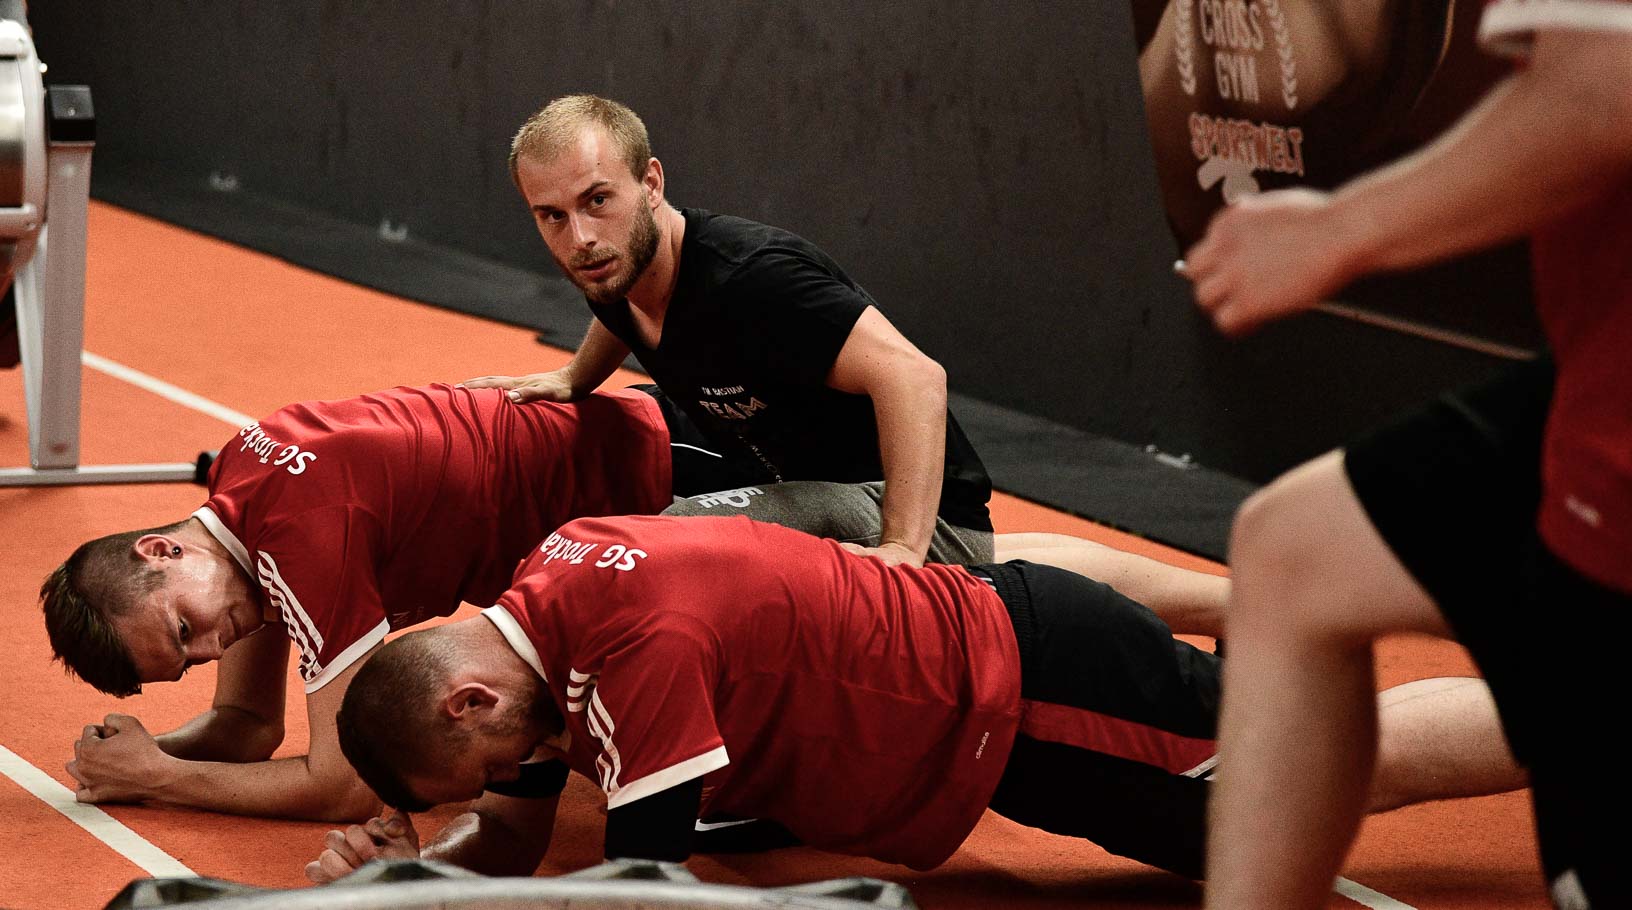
point(757, 319)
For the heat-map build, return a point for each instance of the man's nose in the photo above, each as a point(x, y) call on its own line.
point(582, 232)
point(205, 648)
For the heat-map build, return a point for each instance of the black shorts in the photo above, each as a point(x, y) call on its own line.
point(1453, 488)
point(1118, 720)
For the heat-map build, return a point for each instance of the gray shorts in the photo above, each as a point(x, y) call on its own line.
point(842, 511)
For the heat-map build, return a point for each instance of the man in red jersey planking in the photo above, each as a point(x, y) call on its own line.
point(328, 524)
point(719, 665)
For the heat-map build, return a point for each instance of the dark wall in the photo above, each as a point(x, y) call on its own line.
point(981, 167)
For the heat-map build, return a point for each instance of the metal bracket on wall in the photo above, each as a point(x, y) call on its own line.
point(46, 139)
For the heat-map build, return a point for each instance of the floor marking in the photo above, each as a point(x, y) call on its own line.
point(1366, 897)
point(101, 825)
point(166, 390)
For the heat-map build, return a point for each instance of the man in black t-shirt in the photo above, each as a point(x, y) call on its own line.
point(785, 365)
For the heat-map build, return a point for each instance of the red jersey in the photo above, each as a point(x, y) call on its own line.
point(1583, 279)
point(868, 708)
point(416, 499)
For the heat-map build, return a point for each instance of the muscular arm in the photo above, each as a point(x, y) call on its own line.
point(500, 835)
point(245, 721)
point(908, 391)
point(1505, 170)
point(319, 785)
point(597, 357)
point(123, 764)
point(1501, 173)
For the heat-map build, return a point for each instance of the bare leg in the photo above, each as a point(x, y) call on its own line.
point(1191, 603)
point(1313, 586)
point(1440, 739)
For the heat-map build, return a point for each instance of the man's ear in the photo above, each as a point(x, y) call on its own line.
point(652, 182)
point(155, 548)
point(468, 701)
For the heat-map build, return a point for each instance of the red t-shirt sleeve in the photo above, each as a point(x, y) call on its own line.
point(649, 713)
point(317, 569)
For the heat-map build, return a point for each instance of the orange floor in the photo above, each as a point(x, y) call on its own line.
point(253, 333)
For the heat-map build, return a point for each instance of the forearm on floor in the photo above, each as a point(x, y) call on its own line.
point(487, 845)
point(223, 734)
point(280, 788)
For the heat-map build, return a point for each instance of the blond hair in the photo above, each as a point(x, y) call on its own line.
point(559, 124)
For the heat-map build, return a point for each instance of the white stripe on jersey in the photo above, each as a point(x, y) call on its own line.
point(301, 630)
point(609, 763)
point(575, 693)
point(274, 584)
point(339, 662)
point(308, 656)
point(515, 637)
point(672, 776)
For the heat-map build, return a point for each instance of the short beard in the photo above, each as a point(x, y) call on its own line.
point(641, 251)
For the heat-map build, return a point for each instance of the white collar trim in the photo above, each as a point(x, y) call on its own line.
point(212, 523)
point(512, 632)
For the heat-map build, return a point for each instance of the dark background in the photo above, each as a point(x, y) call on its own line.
point(983, 168)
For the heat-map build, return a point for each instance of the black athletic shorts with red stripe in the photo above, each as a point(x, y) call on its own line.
point(1117, 723)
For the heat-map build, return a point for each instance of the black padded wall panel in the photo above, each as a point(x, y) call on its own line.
point(983, 168)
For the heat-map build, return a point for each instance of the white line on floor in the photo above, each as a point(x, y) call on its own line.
point(1366, 897)
point(166, 390)
point(101, 825)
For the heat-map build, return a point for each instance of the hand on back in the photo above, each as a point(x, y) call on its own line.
point(888, 553)
point(552, 386)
